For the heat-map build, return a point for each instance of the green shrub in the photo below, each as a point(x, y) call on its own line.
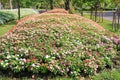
point(8, 15)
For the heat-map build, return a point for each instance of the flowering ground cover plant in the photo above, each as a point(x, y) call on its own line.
point(59, 44)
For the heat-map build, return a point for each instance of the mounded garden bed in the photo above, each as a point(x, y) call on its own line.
point(57, 44)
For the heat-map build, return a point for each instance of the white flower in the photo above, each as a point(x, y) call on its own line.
point(21, 49)
point(22, 63)
point(71, 72)
point(17, 55)
point(33, 65)
point(47, 56)
point(24, 60)
point(4, 66)
point(21, 54)
point(26, 51)
point(16, 58)
point(8, 56)
point(22, 67)
point(6, 60)
point(2, 63)
point(98, 46)
point(37, 66)
point(7, 52)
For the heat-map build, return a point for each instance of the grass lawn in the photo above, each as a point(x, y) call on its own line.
point(6, 27)
point(108, 75)
point(106, 24)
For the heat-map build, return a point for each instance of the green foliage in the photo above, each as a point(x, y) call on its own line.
point(9, 15)
point(108, 75)
point(45, 4)
point(5, 17)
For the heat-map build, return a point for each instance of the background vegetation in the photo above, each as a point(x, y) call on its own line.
point(10, 15)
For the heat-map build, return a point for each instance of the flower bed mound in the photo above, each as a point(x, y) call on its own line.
point(57, 44)
point(61, 17)
point(58, 11)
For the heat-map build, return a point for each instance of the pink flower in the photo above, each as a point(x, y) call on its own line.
point(64, 60)
point(98, 53)
point(35, 44)
point(85, 61)
point(116, 41)
point(33, 59)
point(64, 64)
point(27, 60)
point(69, 63)
point(0, 60)
point(110, 46)
point(96, 66)
point(100, 43)
point(67, 69)
point(90, 53)
point(61, 62)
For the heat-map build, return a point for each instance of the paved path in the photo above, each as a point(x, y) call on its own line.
point(108, 15)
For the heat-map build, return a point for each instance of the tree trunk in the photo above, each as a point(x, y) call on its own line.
point(51, 4)
point(18, 2)
point(91, 13)
point(67, 4)
point(81, 12)
point(11, 5)
point(0, 5)
point(96, 13)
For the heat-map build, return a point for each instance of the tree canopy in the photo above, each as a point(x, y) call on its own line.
point(49, 4)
